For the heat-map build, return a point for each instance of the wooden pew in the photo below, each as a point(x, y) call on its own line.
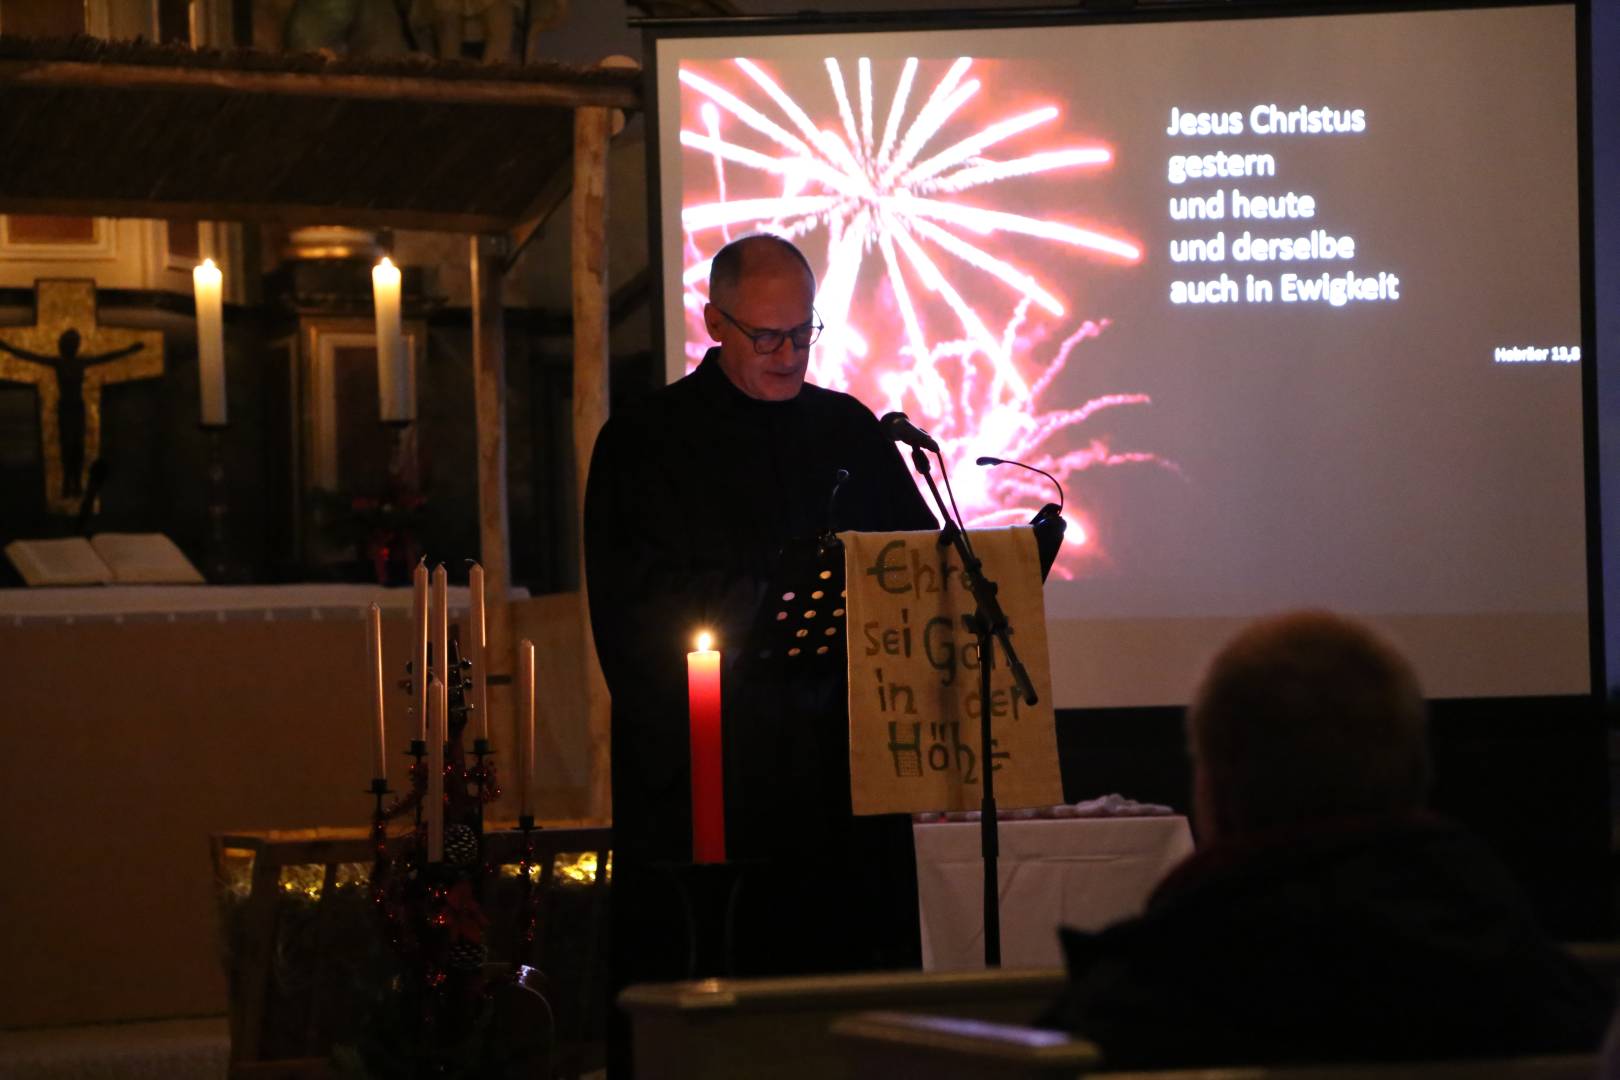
point(722, 1029)
point(899, 1024)
point(1601, 958)
point(887, 1045)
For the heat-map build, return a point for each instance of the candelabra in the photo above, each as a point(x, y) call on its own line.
point(432, 910)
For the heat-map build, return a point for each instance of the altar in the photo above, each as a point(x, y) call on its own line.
point(145, 719)
point(120, 604)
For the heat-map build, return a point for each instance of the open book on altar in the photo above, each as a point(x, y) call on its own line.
point(104, 559)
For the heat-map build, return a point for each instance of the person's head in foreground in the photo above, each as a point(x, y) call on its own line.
point(761, 311)
point(1302, 717)
point(1325, 915)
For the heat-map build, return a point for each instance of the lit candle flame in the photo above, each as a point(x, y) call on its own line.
point(705, 641)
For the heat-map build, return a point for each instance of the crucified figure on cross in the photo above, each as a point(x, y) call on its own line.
point(70, 367)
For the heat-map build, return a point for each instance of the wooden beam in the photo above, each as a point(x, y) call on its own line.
point(66, 74)
point(553, 193)
point(592, 129)
point(494, 543)
point(685, 9)
point(259, 213)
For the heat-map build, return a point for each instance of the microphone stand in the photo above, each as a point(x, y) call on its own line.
point(989, 627)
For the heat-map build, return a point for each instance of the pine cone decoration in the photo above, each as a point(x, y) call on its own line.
point(460, 845)
point(467, 955)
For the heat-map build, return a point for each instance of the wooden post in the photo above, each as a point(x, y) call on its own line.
point(592, 129)
point(494, 545)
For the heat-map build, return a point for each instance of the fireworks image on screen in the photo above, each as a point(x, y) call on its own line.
point(938, 286)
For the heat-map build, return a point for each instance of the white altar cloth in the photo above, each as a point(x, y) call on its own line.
point(173, 603)
point(1080, 872)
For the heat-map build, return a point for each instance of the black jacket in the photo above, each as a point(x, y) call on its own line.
point(691, 497)
point(1336, 941)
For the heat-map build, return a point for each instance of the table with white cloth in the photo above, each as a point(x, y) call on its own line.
point(164, 714)
point(1080, 872)
point(70, 604)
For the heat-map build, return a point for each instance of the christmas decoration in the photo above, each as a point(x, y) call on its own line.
point(434, 1017)
point(460, 845)
point(467, 955)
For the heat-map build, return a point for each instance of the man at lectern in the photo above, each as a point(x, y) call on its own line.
point(690, 500)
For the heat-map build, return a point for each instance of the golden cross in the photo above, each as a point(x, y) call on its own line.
point(68, 358)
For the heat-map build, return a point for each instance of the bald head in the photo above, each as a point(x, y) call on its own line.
point(762, 293)
point(759, 255)
point(1306, 716)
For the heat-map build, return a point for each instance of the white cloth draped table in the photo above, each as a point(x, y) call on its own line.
point(1080, 872)
point(174, 603)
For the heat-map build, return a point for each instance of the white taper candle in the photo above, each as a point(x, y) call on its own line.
point(526, 730)
point(208, 284)
point(477, 648)
point(437, 708)
point(440, 605)
point(419, 657)
point(374, 649)
point(395, 402)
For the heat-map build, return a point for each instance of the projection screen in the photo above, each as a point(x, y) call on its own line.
point(1292, 306)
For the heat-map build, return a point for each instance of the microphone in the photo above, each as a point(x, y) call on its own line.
point(1049, 510)
point(899, 427)
point(1048, 522)
point(828, 540)
point(839, 478)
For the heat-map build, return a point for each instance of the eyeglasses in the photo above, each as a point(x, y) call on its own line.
point(768, 341)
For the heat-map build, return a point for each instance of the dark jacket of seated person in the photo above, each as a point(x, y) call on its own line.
point(1326, 916)
point(1356, 939)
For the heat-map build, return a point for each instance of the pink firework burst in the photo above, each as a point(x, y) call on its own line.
point(987, 417)
point(921, 258)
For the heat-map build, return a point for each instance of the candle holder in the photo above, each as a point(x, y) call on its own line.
point(433, 914)
point(399, 455)
point(457, 773)
point(707, 895)
point(529, 908)
point(217, 551)
point(382, 884)
point(483, 775)
point(480, 776)
point(390, 541)
point(379, 819)
point(418, 768)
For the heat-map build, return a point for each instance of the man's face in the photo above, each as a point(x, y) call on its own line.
point(777, 297)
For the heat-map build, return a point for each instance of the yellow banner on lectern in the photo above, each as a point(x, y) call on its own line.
point(914, 710)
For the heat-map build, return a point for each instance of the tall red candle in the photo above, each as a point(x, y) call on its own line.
point(708, 775)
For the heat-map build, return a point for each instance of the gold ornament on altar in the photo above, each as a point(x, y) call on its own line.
point(67, 357)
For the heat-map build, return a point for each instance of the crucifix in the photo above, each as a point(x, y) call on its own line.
point(68, 358)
